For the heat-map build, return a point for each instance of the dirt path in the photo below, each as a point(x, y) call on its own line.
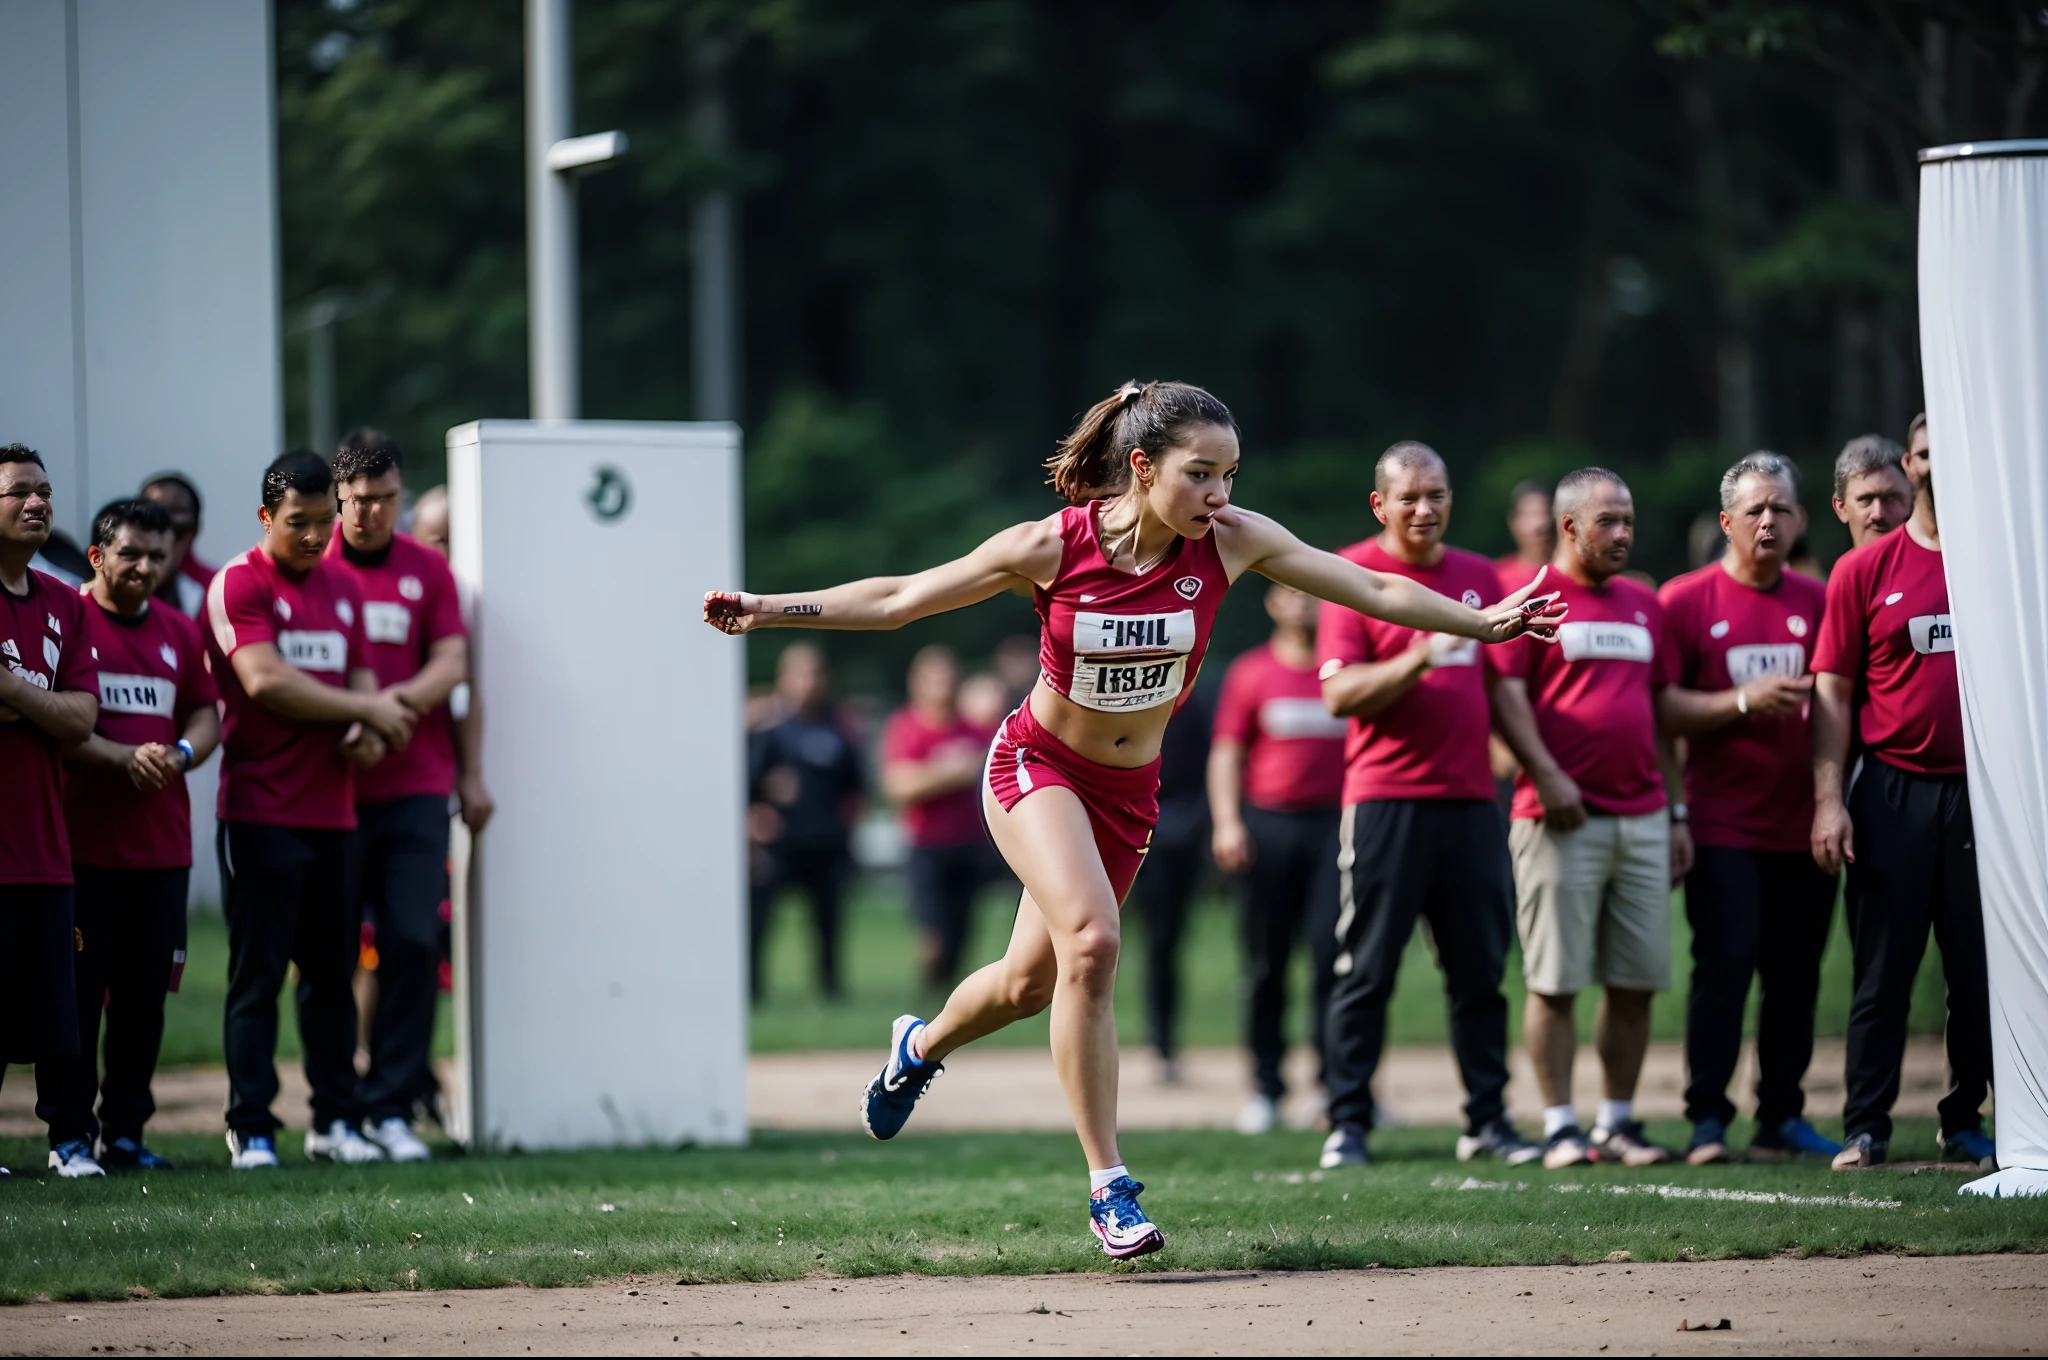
point(1013, 1088)
point(1872, 1305)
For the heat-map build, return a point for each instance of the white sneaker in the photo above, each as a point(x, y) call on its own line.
point(257, 1152)
point(1261, 1114)
point(73, 1160)
point(341, 1144)
point(398, 1140)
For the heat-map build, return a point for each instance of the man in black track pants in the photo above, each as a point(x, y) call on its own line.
point(1901, 822)
point(1421, 835)
point(1276, 777)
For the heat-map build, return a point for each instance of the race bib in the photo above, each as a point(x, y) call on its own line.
point(1931, 633)
point(1292, 719)
point(1755, 663)
point(1130, 661)
point(309, 650)
point(145, 694)
point(387, 622)
point(1605, 642)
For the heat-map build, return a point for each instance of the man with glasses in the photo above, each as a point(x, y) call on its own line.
point(419, 649)
point(1900, 821)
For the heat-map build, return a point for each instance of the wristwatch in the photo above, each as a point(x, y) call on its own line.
point(1680, 813)
point(185, 750)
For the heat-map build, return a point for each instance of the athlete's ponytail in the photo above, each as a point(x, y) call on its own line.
point(1095, 460)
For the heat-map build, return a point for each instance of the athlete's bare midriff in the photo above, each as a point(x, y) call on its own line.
point(1121, 740)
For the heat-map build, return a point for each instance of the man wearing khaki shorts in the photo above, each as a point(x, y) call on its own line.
point(1599, 832)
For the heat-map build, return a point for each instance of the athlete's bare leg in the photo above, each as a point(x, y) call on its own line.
point(1064, 948)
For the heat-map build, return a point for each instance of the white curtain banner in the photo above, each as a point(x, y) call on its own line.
point(1984, 349)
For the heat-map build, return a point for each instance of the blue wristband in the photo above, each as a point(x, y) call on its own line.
point(190, 755)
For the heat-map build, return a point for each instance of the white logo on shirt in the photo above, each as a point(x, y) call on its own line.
point(52, 652)
point(1330, 668)
point(410, 587)
point(1895, 597)
point(323, 650)
point(1719, 630)
point(1188, 587)
point(1471, 598)
point(1087, 599)
point(55, 626)
point(1605, 642)
point(284, 609)
point(1746, 664)
point(346, 612)
point(150, 695)
point(1796, 625)
point(1642, 618)
point(1130, 661)
point(9, 650)
point(170, 656)
point(1931, 633)
point(1299, 718)
point(386, 622)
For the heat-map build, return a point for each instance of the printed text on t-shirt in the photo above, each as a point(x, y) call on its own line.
point(1582, 641)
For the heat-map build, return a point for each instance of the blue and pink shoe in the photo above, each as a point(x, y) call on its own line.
point(893, 1094)
point(1119, 1224)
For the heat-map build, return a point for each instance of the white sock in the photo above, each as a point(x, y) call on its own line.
point(1614, 1113)
point(1556, 1117)
point(1098, 1179)
point(916, 1042)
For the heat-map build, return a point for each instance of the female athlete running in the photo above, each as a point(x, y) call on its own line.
point(1126, 581)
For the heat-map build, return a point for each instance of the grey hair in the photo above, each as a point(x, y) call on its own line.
point(1864, 453)
point(1574, 487)
point(1409, 453)
point(1762, 463)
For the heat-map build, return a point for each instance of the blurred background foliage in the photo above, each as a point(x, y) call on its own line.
point(1535, 233)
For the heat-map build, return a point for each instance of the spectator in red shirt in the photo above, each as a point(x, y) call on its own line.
point(185, 579)
point(1276, 775)
point(1421, 835)
point(48, 702)
point(419, 648)
point(302, 709)
point(1599, 833)
point(130, 824)
point(931, 758)
point(1534, 529)
point(1872, 495)
point(1740, 629)
point(1901, 822)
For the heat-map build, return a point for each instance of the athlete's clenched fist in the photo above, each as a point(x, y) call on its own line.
point(731, 612)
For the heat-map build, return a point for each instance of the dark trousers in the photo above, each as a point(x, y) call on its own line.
point(38, 988)
point(401, 854)
point(286, 896)
point(130, 943)
point(1916, 868)
point(819, 872)
point(944, 880)
point(1444, 860)
point(1164, 888)
point(1290, 892)
point(1760, 914)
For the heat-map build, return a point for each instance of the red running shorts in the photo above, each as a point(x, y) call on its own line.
point(1122, 804)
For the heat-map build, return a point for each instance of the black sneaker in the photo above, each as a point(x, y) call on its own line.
point(1861, 1152)
point(1345, 1147)
point(1500, 1139)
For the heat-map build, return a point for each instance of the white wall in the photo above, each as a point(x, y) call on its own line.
point(599, 917)
point(138, 259)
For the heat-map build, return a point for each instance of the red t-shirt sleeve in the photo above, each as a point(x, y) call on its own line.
point(196, 687)
point(444, 605)
point(238, 610)
point(1664, 659)
point(1237, 708)
point(1341, 636)
point(78, 664)
point(1839, 648)
point(358, 640)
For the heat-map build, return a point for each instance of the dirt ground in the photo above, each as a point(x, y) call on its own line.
point(1871, 1305)
point(1015, 1088)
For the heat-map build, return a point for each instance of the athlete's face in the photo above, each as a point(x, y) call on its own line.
point(131, 566)
point(1187, 484)
point(25, 510)
point(1415, 505)
point(1874, 503)
point(1919, 465)
point(1765, 521)
point(430, 521)
point(369, 510)
point(177, 503)
point(1601, 531)
point(296, 533)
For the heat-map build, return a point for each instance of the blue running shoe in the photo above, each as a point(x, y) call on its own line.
point(893, 1094)
point(1120, 1224)
point(1793, 1138)
point(1969, 1145)
point(126, 1154)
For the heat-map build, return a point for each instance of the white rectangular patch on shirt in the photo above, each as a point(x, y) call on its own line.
point(1749, 663)
point(1299, 718)
point(1931, 633)
point(1124, 662)
point(144, 694)
point(384, 621)
point(314, 650)
point(1605, 642)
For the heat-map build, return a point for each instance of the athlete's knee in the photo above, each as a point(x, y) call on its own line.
point(1089, 959)
point(1029, 992)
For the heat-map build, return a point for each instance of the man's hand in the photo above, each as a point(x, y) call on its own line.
point(389, 718)
point(477, 804)
point(153, 765)
point(1834, 838)
point(1564, 807)
point(362, 745)
point(1681, 851)
point(1232, 846)
point(1778, 696)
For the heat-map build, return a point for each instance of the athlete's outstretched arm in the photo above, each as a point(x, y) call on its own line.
point(1024, 554)
point(1259, 544)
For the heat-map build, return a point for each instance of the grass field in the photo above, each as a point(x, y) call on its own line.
point(881, 983)
point(796, 1205)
